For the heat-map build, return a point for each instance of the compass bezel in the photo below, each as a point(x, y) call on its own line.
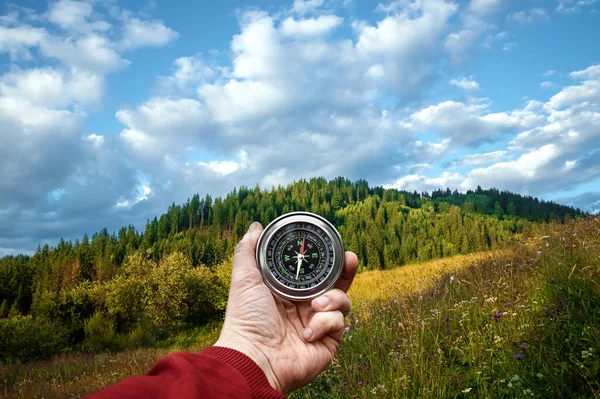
point(303, 294)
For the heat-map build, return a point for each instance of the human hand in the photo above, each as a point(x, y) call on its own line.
point(292, 342)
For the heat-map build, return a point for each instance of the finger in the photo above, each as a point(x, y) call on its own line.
point(347, 276)
point(244, 256)
point(323, 323)
point(335, 299)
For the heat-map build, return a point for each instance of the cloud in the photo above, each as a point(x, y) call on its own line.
point(310, 27)
point(476, 24)
point(547, 85)
point(485, 7)
point(52, 88)
point(548, 73)
point(138, 33)
point(588, 201)
point(306, 6)
point(573, 6)
point(470, 124)
point(530, 16)
point(510, 46)
point(465, 83)
point(74, 15)
point(480, 159)
point(58, 179)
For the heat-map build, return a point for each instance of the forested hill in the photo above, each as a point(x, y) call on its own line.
point(385, 227)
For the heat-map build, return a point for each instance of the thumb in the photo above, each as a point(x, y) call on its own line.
point(245, 252)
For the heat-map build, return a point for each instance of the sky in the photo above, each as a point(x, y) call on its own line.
point(110, 111)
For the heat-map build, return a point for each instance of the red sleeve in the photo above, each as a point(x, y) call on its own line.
point(216, 372)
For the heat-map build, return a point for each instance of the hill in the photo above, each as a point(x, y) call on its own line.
point(132, 289)
point(519, 322)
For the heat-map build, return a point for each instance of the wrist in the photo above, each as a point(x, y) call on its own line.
point(238, 343)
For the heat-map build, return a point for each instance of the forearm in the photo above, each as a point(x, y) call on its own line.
point(216, 372)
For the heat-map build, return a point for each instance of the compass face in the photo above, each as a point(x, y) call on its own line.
point(300, 255)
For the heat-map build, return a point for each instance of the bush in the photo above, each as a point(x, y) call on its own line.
point(99, 333)
point(23, 338)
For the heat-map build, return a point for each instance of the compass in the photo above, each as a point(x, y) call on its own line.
point(300, 255)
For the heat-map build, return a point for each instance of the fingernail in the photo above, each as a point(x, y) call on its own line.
point(308, 333)
point(322, 301)
point(253, 227)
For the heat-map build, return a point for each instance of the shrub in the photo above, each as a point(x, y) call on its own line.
point(24, 337)
point(99, 333)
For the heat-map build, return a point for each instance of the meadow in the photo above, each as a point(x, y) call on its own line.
point(520, 322)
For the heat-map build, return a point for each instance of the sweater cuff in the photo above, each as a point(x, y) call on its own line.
point(252, 373)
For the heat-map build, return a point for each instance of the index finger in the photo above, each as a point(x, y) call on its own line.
point(347, 276)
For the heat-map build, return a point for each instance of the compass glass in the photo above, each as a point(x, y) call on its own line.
point(300, 255)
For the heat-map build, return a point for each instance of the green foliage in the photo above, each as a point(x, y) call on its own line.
point(100, 333)
point(24, 337)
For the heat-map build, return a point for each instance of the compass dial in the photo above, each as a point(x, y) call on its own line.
point(300, 255)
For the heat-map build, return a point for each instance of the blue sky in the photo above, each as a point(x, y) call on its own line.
point(111, 111)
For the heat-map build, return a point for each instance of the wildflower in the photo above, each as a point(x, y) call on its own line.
point(446, 319)
point(429, 357)
point(347, 329)
point(498, 315)
point(564, 239)
point(547, 245)
point(360, 383)
point(552, 281)
point(523, 346)
point(467, 390)
point(510, 385)
point(452, 278)
point(518, 356)
point(539, 375)
point(515, 378)
point(363, 304)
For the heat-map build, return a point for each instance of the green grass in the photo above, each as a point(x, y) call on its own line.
point(449, 328)
point(520, 324)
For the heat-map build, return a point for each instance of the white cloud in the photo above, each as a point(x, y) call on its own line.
point(469, 124)
point(548, 73)
point(547, 85)
point(52, 88)
point(510, 46)
point(485, 7)
point(74, 15)
point(465, 83)
point(188, 73)
point(480, 159)
point(224, 168)
point(138, 33)
point(573, 6)
point(310, 27)
point(591, 72)
point(529, 16)
point(306, 6)
point(476, 29)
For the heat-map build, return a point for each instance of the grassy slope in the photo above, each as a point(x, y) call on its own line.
point(515, 323)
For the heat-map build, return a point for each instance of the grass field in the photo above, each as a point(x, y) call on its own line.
point(523, 322)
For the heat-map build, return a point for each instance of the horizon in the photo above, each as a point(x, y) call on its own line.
point(112, 111)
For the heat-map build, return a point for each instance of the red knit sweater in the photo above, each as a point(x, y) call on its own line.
point(216, 372)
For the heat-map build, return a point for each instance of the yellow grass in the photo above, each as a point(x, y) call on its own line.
point(385, 284)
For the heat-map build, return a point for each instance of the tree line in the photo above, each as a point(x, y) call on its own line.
point(130, 288)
